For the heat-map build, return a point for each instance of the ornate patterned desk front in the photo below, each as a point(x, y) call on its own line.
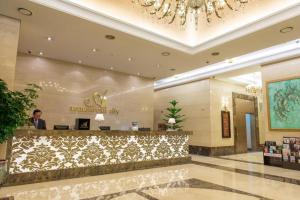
point(36, 156)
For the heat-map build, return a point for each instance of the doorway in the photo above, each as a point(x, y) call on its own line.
point(245, 121)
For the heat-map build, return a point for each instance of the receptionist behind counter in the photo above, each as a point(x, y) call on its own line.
point(37, 121)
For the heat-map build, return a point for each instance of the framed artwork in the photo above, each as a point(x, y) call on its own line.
point(283, 102)
point(226, 130)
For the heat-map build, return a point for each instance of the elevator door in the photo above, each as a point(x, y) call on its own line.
point(243, 107)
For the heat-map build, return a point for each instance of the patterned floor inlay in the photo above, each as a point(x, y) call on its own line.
point(162, 189)
point(250, 173)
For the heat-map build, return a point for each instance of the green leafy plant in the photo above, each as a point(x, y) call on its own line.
point(174, 112)
point(14, 106)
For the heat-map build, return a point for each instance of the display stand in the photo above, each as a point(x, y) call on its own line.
point(286, 155)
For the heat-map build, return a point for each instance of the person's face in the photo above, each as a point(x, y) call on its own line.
point(37, 115)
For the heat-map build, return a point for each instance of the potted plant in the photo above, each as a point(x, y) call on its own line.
point(14, 106)
point(173, 117)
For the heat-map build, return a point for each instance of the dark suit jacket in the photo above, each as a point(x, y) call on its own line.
point(41, 123)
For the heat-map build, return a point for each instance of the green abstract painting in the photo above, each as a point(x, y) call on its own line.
point(284, 104)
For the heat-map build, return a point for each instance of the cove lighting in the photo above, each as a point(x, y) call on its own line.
point(281, 51)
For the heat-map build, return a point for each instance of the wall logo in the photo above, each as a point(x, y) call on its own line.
point(97, 103)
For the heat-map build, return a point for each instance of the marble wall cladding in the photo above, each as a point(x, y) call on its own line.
point(277, 71)
point(201, 102)
point(219, 90)
point(9, 38)
point(67, 84)
point(194, 100)
point(58, 152)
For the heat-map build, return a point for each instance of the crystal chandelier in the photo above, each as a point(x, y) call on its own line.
point(253, 89)
point(171, 10)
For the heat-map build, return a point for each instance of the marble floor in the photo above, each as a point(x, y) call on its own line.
point(238, 177)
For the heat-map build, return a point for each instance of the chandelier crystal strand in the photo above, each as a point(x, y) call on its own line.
point(170, 11)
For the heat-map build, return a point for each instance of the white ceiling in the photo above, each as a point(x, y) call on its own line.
point(133, 19)
point(243, 77)
point(74, 39)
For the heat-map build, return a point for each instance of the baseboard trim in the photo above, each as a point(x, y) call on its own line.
point(211, 151)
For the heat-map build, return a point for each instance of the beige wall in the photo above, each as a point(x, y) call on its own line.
point(9, 38)
point(219, 90)
point(201, 102)
point(131, 95)
point(194, 99)
point(278, 71)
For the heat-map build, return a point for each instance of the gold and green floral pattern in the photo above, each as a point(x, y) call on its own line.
point(43, 153)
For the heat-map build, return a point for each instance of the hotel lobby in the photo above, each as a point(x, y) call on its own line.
point(149, 99)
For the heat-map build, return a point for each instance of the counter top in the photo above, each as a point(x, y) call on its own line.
point(33, 132)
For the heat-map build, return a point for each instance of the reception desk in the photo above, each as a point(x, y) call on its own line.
point(41, 155)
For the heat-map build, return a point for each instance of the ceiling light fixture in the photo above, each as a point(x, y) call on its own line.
point(189, 10)
point(129, 59)
point(41, 53)
point(286, 29)
point(25, 11)
point(111, 68)
point(215, 53)
point(94, 50)
point(79, 61)
point(278, 52)
point(165, 53)
point(49, 39)
point(138, 73)
point(110, 37)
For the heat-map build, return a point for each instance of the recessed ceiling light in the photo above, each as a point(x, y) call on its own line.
point(229, 60)
point(215, 53)
point(129, 59)
point(110, 37)
point(25, 11)
point(138, 73)
point(94, 50)
point(49, 39)
point(165, 53)
point(111, 68)
point(41, 53)
point(79, 61)
point(286, 29)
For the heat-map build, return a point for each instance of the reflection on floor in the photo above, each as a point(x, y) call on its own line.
point(255, 157)
point(205, 178)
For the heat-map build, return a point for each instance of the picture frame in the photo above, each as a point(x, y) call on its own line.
point(282, 109)
point(226, 125)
